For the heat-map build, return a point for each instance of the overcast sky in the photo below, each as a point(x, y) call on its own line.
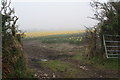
point(44, 16)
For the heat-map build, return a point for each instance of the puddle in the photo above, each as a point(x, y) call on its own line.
point(53, 57)
point(59, 57)
point(44, 59)
point(33, 59)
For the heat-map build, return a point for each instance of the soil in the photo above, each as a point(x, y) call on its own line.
point(36, 51)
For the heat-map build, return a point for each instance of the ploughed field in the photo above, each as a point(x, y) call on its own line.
point(63, 56)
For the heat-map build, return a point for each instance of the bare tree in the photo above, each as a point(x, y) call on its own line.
point(8, 19)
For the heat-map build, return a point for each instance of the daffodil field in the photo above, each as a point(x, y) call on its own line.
point(72, 37)
point(39, 34)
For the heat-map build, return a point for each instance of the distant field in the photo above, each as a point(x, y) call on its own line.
point(39, 34)
point(72, 37)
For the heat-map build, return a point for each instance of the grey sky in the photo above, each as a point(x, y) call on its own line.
point(44, 16)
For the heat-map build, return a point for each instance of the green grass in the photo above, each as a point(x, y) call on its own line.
point(63, 68)
point(108, 64)
point(79, 56)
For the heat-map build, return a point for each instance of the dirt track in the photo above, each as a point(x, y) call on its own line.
point(35, 51)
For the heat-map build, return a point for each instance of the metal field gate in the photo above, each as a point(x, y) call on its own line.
point(112, 46)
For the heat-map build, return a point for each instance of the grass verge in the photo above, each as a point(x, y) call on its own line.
point(108, 64)
point(62, 68)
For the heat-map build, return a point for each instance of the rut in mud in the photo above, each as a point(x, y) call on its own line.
point(37, 51)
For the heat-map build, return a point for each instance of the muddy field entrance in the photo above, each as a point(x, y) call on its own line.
point(58, 60)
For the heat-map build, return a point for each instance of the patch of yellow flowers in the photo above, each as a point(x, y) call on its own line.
point(38, 34)
point(76, 38)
